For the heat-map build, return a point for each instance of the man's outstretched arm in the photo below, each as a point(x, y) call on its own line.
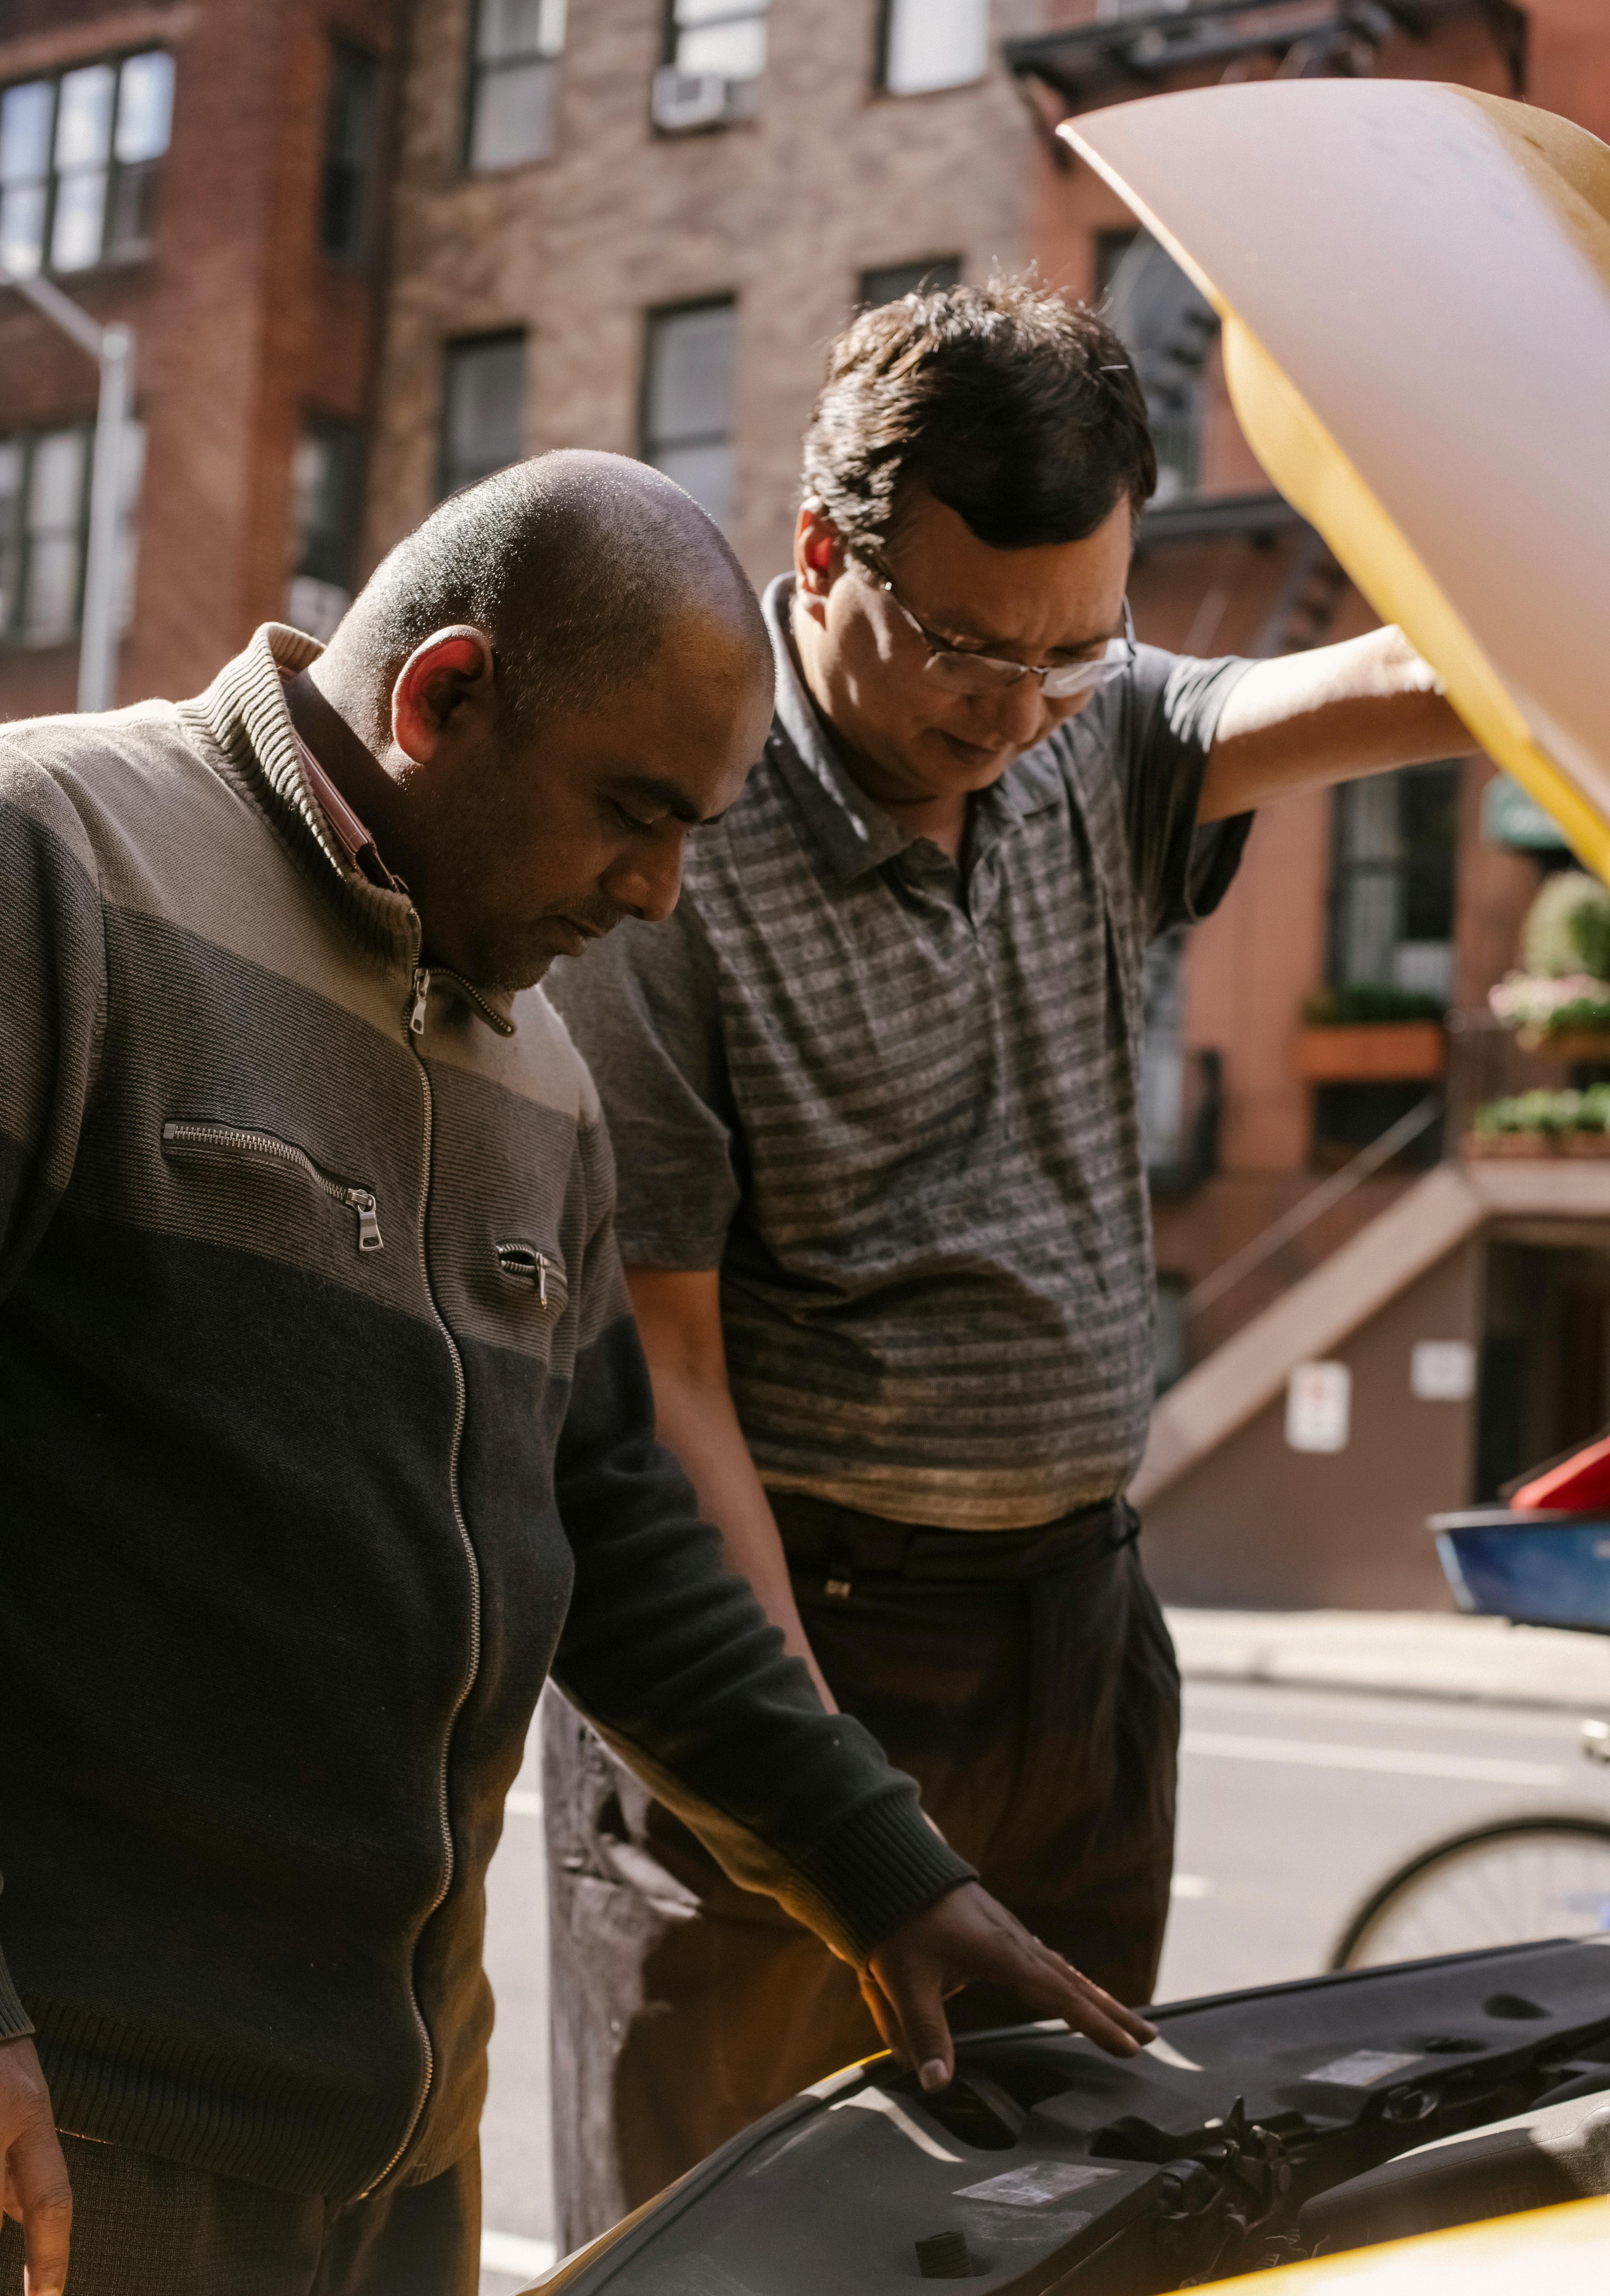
point(1303, 720)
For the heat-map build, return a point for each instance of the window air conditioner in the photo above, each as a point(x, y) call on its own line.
point(683, 101)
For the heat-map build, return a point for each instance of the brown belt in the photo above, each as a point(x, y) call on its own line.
point(845, 1544)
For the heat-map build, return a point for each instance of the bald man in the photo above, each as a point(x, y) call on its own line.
point(325, 1431)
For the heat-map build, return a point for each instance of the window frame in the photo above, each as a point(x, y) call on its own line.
point(478, 70)
point(482, 339)
point(140, 250)
point(14, 635)
point(1348, 872)
point(357, 258)
point(654, 317)
point(922, 273)
point(735, 12)
point(881, 60)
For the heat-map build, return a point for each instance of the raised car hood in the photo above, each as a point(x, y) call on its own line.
point(1415, 286)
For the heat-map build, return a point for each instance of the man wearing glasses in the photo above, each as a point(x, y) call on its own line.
point(873, 1091)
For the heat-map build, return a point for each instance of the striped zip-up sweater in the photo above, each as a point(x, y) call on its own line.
point(323, 1433)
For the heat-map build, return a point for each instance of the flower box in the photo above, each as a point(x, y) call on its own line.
point(1375, 1052)
point(1485, 1144)
point(1566, 1044)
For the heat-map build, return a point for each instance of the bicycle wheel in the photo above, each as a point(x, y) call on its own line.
point(1502, 1885)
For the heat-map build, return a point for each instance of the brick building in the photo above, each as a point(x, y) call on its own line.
point(210, 173)
point(637, 229)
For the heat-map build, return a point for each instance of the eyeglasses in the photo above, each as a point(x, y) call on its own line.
point(962, 672)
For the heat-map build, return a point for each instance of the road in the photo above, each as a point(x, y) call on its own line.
point(1293, 1802)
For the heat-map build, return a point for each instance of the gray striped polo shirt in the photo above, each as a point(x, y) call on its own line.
point(896, 1103)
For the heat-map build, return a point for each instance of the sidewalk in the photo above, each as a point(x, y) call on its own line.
point(1420, 1653)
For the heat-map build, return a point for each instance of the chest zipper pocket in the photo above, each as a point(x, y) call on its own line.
point(525, 1265)
point(240, 1140)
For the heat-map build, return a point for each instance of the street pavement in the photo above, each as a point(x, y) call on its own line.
point(1296, 1796)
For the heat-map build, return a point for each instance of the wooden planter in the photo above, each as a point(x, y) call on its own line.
point(1566, 1044)
point(1554, 1145)
point(1375, 1052)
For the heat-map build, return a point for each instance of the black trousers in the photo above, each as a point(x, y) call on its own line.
point(148, 2228)
point(1039, 1710)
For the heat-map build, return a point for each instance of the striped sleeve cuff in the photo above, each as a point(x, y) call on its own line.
point(881, 1866)
point(14, 2019)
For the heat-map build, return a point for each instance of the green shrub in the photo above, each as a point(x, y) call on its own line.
point(1356, 1002)
point(1567, 928)
point(1548, 1111)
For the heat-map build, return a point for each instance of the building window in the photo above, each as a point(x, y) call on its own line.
point(1169, 329)
point(1394, 879)
point(890, 281)
point(689, 380)
point(44, 478)
point(346, 195)
point(714, 53)
point(932, 44)
point(483, 408)
point(513, 80)
point(327, 501)
point(78, 160)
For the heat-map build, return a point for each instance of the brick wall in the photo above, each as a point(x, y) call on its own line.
point(785, 211)
point(240, 323)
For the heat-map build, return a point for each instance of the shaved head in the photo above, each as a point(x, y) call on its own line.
point(578, 566)
point(535, 701)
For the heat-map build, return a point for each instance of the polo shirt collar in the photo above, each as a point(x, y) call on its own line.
point(855, 835)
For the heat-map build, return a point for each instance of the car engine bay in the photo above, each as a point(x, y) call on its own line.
point(1260, 2128)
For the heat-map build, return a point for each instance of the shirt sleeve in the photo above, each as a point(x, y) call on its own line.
point(1182, 868)
point(644, 1007)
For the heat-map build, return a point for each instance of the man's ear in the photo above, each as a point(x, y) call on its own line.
point(818, 553)
point(449, 683)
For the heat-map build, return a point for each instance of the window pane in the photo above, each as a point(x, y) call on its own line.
point(705, 12)
point(25, 124)
point(483, 415)
point(145, 106)
point(326, 497)
point(84, 116)
point(131, 216)
point(736, 52)
point(893, 280)
point(52, 607)
point(21, 229)
point(349, 148)
point(505, 28)
point(691, 377)
point(75, 239)
point(936, 43)
point(513, 118)
point(706, 472)
point(55, 495)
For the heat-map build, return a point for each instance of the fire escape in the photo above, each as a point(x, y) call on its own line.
point(1134, 51)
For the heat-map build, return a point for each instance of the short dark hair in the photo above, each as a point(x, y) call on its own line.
point(575, 564)
point(1016, 408)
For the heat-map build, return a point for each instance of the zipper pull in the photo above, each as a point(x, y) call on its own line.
point(542, 1279)
point(422, 995)
point(368, 1226)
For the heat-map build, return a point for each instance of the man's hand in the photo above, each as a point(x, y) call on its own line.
point(37, 2190)
point(965, 1937)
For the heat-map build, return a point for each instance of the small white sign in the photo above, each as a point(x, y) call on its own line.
point(1319, 1406)
point(1442, 1371)
point(1033, 2187)
point(1362, 2068)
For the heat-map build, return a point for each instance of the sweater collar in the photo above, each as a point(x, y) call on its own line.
point(245, 714)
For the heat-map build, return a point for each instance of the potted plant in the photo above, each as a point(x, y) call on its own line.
point(1371, 1032)
point(1559, 998)
point(1543, 1124)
